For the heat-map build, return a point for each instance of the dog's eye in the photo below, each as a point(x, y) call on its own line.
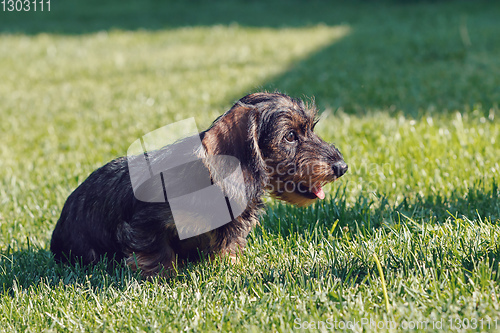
point(291, 136)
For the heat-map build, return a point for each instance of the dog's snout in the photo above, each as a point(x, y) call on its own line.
point(339, 168)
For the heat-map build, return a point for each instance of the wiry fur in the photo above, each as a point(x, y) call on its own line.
point(103, 217)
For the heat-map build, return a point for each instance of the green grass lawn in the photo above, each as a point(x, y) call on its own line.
point(409, 91)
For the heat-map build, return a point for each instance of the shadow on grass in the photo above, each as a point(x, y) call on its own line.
point(28, 267)
point(365, 217)
point(82, 17)
point(368, 212)
point(399, 55)
point(24, 268)
point(32, 266)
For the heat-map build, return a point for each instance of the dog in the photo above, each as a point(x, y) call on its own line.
point(270, 134)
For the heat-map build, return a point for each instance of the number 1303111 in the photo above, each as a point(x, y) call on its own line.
point(25, 5)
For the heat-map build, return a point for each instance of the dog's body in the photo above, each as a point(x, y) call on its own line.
point(272, 137)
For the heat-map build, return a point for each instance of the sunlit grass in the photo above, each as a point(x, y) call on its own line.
point(74, 103)
point(411, 107)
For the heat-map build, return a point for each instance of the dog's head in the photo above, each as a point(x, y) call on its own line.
point(273, 136)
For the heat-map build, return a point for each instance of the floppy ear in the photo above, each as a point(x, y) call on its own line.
point(236, 133)
point(259, 165)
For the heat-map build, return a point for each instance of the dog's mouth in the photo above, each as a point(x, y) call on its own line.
point(318, 192)
point(314, 192)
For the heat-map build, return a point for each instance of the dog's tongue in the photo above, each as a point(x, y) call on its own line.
point(318, 191)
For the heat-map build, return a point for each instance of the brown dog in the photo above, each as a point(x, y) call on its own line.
point(271, 135)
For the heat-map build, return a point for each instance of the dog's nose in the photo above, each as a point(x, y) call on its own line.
point(339, 168)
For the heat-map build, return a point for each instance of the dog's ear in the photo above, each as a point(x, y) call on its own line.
point(254, 129)
point(236, 133)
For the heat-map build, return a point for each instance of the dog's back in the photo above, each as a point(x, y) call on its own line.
point(89, 220)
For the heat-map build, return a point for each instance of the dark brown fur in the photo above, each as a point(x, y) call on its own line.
point(272, 136)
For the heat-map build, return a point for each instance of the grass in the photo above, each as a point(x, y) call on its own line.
point(409, 93)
